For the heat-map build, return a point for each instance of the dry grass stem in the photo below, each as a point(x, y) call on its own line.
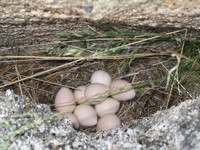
point(42, 73)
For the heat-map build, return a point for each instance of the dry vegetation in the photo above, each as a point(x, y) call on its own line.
point(125, 52)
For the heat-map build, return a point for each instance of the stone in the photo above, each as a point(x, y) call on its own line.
point(177, 128)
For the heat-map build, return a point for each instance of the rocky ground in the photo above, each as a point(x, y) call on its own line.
point(64, 15)
point(168, 13)
point(177, 128)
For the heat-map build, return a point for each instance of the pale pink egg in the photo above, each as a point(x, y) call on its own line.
point(95, 91)
point(125, 95)
point(65, 100)
point(102, 77)
point(79, 94)
point(109, 106)
point(86, 115)
point(108, 122)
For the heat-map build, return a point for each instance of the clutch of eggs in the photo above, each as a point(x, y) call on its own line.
point(96, 106)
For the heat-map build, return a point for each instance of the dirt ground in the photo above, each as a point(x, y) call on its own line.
point(30, 15)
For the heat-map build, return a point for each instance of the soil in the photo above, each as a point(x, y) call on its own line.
point(27, 22)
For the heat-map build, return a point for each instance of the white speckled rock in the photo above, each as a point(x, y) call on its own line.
point(177, 127)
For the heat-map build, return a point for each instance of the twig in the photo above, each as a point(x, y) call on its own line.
point(57, 84)
point(19, 77)
point(42, 73)
point(88, 58)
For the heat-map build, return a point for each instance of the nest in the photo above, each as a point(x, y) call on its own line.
point(147, 60)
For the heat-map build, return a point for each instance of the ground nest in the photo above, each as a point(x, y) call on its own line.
point(155, 63)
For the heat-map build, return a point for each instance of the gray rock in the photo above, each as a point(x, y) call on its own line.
point(21, 128)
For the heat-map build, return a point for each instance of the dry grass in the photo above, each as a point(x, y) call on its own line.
point(135, 57)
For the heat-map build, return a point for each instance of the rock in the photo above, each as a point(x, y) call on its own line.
point(177, 128)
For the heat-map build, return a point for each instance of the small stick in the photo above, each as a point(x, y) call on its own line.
point(41, 73)
point(89, 58)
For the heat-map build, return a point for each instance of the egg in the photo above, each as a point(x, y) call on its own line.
point(96, 90)
point(86, 115)
point(102, 77)
point(108, 122)
point(79, 94)
point(125, 95)
point(65, 100)
point(108, 106)
point(72, 117)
